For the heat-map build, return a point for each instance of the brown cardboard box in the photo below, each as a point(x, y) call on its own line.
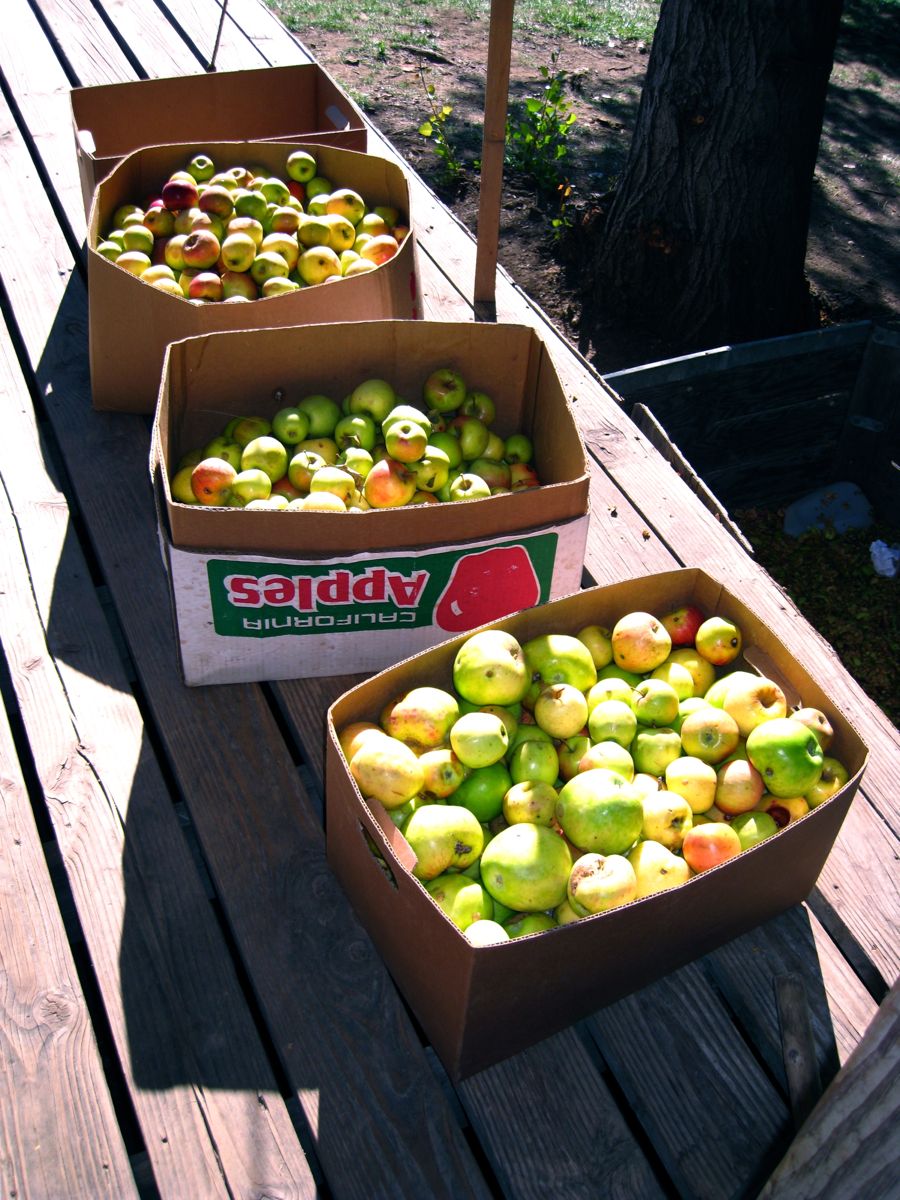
point(297, 103)
point(504, 552)
point(480, 1005)
point(131, 322)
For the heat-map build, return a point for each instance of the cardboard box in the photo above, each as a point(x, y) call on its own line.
point(131, 322)
point(480, 1005)
point(296, 103)
point(278, 595)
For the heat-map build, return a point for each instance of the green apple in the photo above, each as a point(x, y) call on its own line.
point(300, 166)
point(600, 811)
point(323, 413)
point(655, 702)
point(561, 709)
point(787, 754)
point(753, 827)
point(444, 390)
point(443, 837)
point(834, 776)
point(694, 780)
point(597, 640)
point(291, 425)
point(526, 867)
point(442, 771)
point(479, 739)
point(252, 484)
point(653, 749)
point(608, 754)
point(560, 658)
point(613, 720)
point(483, 790)
point(355, 429)
point(534, 759)
point(611, 689)
point(374, 397)
point(667, 818)
point(532, 801)
point(490, 668)
point(388, 771)
point(268, 454)
point(460, 898)
point(521, 924)
point(754, 700)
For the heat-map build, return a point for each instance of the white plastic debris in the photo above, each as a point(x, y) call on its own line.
point(885, 559)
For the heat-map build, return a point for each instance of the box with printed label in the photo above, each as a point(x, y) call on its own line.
point(284, 594)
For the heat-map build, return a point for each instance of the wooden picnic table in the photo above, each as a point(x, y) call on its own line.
point(189, 1007)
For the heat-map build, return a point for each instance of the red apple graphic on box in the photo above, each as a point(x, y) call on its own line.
point(485, 586)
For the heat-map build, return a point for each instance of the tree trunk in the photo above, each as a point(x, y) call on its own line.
point(705, 241)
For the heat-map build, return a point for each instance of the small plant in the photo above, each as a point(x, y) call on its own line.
point(435, 129)
point(562, 222)
point(537, 137)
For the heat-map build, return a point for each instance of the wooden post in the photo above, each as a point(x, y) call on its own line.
point(492, 153)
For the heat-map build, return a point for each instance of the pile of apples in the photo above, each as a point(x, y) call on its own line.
point(241, 234)
point(374, 450)
point(573, 773)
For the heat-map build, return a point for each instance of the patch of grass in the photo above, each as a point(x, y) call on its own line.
point(377, 20)
point(831, 579)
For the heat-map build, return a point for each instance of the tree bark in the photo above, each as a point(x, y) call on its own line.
point(705, 241)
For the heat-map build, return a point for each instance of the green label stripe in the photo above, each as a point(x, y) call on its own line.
point(454, 589)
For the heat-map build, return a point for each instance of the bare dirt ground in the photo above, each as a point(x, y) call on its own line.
point(853, 261)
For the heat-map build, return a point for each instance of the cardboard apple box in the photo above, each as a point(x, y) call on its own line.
point(296, 103)
point(480, 1005)
point(276, 595)
point(131, 322)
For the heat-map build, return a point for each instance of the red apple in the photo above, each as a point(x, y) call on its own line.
point(211, 481)
point(718, 640)
point(180, 193)
point(389, 484)
point(709, 844)
point(682, 623)
point(201, 249)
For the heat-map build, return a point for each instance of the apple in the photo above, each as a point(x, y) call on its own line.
point(718, 640)
point(224, 447)
point(357, 429)
point(211, 481)
point(818, 722)
point(787, 754)
point(283, 244)
point(251, 484)
point(495, 474)
point(179, 193)
point(611, 688)
point(467, 486)
point(135, 262)
point(534, 759)
point(268, 264)
point(702, 672)
point(560, 658)
point(389, 484)
point(325, 447)
point(373, 397)
point(318, 264)
point(138, 237)
point(380, 249)
point(485, 933)
point(611, 755)
point(373, 224)
point(640, 643)
point(387, 770)
point(709, 844)
point(284, 220)
point(694, 780)
point(710, 734)
point(360, 266)
point(655, 702)
point(752, 700)
point(490, 668)
point(109, 250)
point(356, 460)
point(301, 166)
point(201, 167)
point(461, 899)
point(597, 640)
point(522, 924)
point(612, 720)
point(444, 390)
point(236, 285)
point(291, 425)
point(667, 818)
point(201, 249)
point(479, 738)
point(217, 200)
point(518, 448)
point(478, 404)
point(483, 789)
point(442, 772)
point(406, 413)
point(312, 231)
point(205, 285)
point(753, 827)
point(600, 811)
point(352, 736)
point(739, 787)
point(526, 867)
point(302, 467)
point(268, 454)
point(347, 203)
point(180, 486)
point(335, 480)
point(682, 623)
point(785, 809)
point(561, 710)
point(600, 882)
point(656, 868)
point(432, 471)
point(532, 801)
point(159, 271)
point(834, 776)
point(653, 749)
point(677, 676)
point(405, 441)
point(443, 837)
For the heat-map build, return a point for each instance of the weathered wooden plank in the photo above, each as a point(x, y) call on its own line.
point(173, 1003)
point(710, 1111)
point(848, 1146)
point(59, 1135)
point(84, 42)
point(351, 1002)
point(569, 1137)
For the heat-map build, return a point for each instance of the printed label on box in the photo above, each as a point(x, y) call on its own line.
point(243, 618)
point(451, 590)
